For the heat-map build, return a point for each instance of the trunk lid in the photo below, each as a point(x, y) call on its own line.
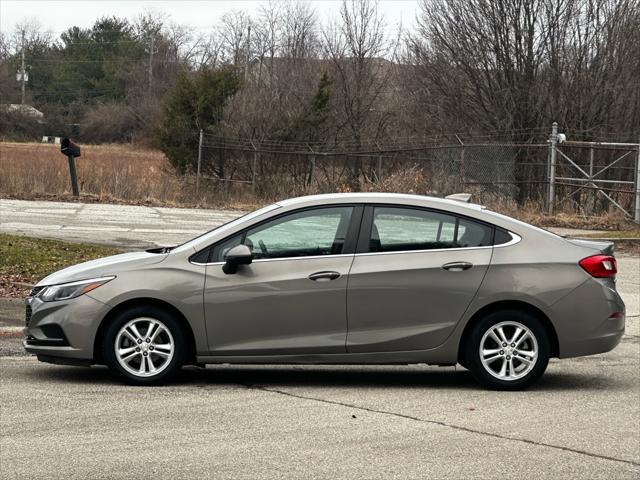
point(602, 246)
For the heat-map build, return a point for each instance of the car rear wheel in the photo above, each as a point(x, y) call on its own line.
point(144, 346)
point(507, 350)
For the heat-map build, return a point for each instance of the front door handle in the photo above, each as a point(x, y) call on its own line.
point(323, 276)
point(457, 266)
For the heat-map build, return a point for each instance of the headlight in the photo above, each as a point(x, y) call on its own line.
point(65, 291)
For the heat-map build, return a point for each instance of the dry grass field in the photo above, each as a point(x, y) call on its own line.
point(140, 175)
point(107, 173)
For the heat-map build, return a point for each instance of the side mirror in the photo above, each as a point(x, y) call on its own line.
point(238, 255)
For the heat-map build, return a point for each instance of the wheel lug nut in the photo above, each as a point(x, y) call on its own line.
point(513, 345)
point(148, 340)
point(508, 357)
point(515, 353)
point(145, 354)
point(137, 349)
point(501, 352)
point(504, 344)
point(139, 341)
point(151, 347)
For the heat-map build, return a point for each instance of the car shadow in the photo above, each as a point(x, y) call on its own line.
point(274, 377)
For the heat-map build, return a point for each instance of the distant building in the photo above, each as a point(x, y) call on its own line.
point(26, 110)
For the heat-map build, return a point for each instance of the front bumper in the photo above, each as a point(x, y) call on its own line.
point(63, 330)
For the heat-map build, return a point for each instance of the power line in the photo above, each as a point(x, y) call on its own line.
point(103, 60)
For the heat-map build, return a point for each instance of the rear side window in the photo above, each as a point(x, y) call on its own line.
point(502, 237)
point(396, 229)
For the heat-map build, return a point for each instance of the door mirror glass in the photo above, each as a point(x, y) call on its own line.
point(238, 255)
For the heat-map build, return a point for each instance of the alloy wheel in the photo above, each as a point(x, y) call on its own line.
point(508, 350)
point(144, 347)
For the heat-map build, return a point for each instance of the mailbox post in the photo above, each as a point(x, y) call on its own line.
point(71, 150)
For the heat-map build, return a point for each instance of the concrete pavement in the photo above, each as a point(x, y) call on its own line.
point(579, 421)
point(119, 225)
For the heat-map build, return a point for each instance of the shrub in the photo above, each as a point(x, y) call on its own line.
point(109, 123)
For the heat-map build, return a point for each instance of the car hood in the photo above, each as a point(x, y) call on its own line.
point(103, 266)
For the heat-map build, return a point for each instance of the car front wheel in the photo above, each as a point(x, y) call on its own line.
point(507, 350)
point(144, 346)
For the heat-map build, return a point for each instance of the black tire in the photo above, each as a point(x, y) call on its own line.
point(472, 350)
point(173, 326)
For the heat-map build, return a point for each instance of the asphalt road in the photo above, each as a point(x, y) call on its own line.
point(582, 420)
point(119, 225)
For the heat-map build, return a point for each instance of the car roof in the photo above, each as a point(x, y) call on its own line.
point(378, 197)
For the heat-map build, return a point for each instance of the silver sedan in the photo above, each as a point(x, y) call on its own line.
point(339, 279)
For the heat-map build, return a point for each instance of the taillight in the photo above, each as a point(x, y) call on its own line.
point(600, 266)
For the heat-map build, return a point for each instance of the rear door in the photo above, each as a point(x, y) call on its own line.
point(414, 274)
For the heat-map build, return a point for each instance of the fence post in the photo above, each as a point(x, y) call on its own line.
point(592, 194)
point(199, 162)
point(312, 166)
point(552, 166)
point(253, 167)
point(379, 163)
point(461, 161)
point(636, 213)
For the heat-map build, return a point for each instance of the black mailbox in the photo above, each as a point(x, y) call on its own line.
point(68, 148)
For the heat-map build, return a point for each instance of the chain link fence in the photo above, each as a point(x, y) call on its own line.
point(577, 177)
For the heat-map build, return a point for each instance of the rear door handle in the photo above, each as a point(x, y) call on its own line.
point(457, 266)
point(323, 276)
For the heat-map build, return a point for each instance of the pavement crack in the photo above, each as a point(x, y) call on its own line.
point(443, 424)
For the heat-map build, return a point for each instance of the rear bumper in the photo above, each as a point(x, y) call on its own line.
point(597, 344)
point(583, 319)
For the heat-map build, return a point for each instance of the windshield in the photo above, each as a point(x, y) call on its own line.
point(229, 225)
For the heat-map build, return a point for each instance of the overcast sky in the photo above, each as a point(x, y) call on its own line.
point(57, 16)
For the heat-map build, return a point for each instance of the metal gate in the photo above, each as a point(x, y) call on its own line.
point(594, 175)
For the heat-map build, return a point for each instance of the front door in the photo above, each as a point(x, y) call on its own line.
point(292, 298)
point(418, 273)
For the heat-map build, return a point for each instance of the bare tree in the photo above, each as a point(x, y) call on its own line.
point(360, 55)
point(520, 64)
point(234, 28)
point(299, 37)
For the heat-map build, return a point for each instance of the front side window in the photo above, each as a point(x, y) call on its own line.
point(320, 231)
point(221, 249)
point(397, 229)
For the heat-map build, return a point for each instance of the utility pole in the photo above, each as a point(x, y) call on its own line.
point(246, 65)
point(152, 51)
point(23, 72)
